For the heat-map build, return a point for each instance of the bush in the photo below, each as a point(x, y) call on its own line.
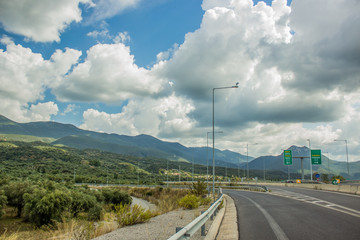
point(95, 213)
point(81, 202)
point(198, 188)
point(43, 207)
point(189, 202)
point(15, 191)
point(116, 197)
point(130, 216)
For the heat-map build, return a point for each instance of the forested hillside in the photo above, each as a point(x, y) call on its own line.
point(36, 160)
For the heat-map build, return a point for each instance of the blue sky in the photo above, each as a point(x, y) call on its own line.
point(135, 66)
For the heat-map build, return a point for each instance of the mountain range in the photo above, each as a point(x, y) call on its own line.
point(147, 146)
point(141, 146)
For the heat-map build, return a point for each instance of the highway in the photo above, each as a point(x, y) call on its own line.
point(292, 213)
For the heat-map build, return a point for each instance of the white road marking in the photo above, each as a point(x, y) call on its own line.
point(316, 201)
point(279, 233)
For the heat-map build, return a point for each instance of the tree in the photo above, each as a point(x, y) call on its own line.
point(15, 191)
point(115, 196)
point(43, 207)
point(81, 202)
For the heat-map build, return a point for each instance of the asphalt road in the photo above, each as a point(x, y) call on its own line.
point(288, 214)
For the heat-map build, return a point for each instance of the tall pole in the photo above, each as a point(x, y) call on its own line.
point(347, 155)
point(288, 172)
point(207, 161)
point(264, 169)
point(138, 173)
point(328, 154)
point(329, 164)
point(239, 167)
point(192, 175)
point(347, 158)
point(247, 161)
point(213, 131)
point(225, 172)
point(247, 158)
point(311, 177)
point(167, 173)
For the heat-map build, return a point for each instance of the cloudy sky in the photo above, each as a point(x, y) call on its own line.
point(149, 67)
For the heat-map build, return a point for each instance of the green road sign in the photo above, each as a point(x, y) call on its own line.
point(335, 182)
point(287, 157)
point(316, 156)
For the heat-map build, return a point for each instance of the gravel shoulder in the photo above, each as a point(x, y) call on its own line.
point(159, 227)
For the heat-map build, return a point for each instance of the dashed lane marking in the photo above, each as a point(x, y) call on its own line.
point(316, 201)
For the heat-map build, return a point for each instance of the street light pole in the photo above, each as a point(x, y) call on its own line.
point(347, 155)
point(207, 158)
point(311, 177)
point(247, 160)
point(213, 131)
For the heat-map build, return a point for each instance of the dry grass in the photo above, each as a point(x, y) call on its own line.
point(12, 236)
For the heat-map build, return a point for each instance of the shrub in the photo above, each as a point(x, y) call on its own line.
point(116, 197)
point(15, 191)
point(43, 207)
point(205, 201)
point(95, 213)
point(130, 216)
point(189, 202)
point(81, 202)
point(198, 188)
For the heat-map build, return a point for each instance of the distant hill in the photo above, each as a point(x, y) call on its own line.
point(140, 146)
point(276, 163)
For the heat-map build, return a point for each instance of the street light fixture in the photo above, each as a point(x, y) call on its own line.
point(207, 157)
point(347, 155)
point(213, 123)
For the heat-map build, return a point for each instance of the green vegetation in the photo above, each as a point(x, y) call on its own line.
point(130, 216)
point(198, 188)
point(190, 202)
point(39, 160)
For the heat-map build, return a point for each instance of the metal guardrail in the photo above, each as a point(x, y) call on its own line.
point(189, 230)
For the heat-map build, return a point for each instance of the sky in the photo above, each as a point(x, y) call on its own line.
point(149, 67)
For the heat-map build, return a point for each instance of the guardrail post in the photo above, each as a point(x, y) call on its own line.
point(203, 227)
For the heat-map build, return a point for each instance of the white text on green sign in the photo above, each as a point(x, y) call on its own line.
point(315, 156)
point(287, 157)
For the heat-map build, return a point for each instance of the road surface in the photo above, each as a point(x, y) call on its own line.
point(289, 213)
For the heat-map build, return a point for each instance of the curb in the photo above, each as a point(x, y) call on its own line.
point(215, 226)
point(229, 226)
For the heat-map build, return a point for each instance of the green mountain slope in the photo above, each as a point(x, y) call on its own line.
point(141, 145)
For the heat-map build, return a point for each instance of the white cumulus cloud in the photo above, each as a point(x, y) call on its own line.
point(108, 74)
point(24, 76)
point(41, 21)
